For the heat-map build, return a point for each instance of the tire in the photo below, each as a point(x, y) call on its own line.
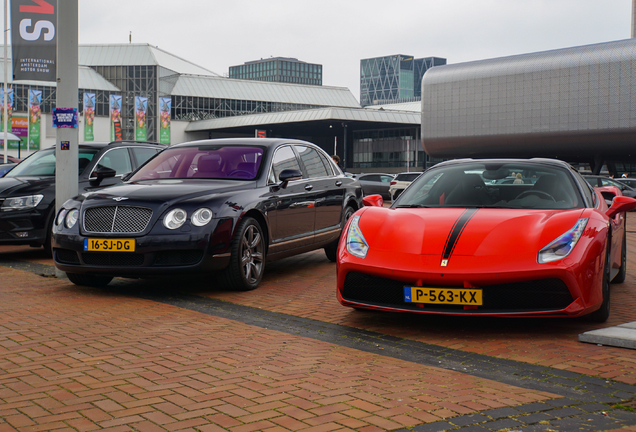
point(602, 314)
point(622, 271)
point(331, 250)
point(47, 245)
point(89, 280)
point(247, 260)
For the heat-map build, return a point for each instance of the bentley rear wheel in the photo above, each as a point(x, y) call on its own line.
point(247, 261)
point(331, 250)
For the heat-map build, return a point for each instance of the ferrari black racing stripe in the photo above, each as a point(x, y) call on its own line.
point(456, 232)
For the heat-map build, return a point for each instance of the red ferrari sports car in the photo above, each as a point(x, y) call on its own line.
point(462, 240)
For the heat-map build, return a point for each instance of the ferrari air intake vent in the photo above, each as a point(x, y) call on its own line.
point(116, 219)
point(535, 295)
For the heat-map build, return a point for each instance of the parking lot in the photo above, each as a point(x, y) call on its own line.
point(183, 354)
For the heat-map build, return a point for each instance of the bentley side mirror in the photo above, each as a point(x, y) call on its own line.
point(101, 173)
point(288, 175)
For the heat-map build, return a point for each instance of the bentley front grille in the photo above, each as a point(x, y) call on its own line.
point(116, 219)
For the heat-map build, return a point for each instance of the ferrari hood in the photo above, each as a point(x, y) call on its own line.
point(469, 232)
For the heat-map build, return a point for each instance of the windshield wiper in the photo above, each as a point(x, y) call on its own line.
point(412, 206)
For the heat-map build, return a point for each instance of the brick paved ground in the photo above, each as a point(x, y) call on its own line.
point(81, 359)
point(87, 359)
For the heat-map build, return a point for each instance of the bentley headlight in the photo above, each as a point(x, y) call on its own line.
point(202, 217)
point(60, 217)
point(563, 245)
point(175, 218)
point(356, 243)
point(21, 203)
point(71, 218)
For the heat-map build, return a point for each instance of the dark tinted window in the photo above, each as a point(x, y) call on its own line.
point(284, 158)
point(313, 161)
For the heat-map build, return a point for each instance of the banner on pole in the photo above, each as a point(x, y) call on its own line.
point(9, 109)
point(115, 115)
point(34, 39)
point(35, 116)
point(89, 116)
point(165, 105)
point(141, 104)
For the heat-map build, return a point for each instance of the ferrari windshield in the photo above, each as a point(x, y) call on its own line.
point(497, 185)
point(208, 162)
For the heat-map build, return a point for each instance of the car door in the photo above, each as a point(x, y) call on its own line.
point(326, 190)
point(291, 210)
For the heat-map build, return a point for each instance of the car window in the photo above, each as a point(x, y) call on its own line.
point(386, 179)
point(142, 154)
point(471, 185)
point(284, 158)
point(370, 177)
point(117, 159)
point(313, 162)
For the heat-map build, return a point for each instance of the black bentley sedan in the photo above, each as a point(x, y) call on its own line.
point(226, 205)
point(27, 192)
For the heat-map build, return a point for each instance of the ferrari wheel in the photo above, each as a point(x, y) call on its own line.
point(602, 314)
point(247, 261)
point(89, 280)
point(622, 271)
point(331, 250)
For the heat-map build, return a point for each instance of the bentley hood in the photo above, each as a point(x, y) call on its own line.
point(168, 191)
point(464, 232)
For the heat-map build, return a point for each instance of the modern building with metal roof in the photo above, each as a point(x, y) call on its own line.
point(577, 104)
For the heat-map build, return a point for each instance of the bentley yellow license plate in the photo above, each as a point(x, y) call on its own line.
point(455, 296)
point(109, 245)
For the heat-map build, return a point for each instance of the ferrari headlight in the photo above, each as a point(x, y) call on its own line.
point(175, 218)
point(202, 217)
point(71, 218)
point(563, 245)
point(21, 203)
point(356, 243)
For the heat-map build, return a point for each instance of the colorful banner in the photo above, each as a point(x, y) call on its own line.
point(9, 109)
point(35, 117)
point(165, 105)
point(19, 128)
point(33, 39)
point(141, 104)
point(115, 114)
point(89, 116)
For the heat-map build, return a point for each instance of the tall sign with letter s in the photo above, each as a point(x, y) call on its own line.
point(34, 39)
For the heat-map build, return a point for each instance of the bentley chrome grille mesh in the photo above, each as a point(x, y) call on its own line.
point(117, 219)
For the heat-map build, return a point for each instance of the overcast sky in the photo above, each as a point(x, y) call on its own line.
point(338, 33)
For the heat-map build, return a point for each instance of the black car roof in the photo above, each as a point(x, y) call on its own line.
point(538, 161)
point(263, 142)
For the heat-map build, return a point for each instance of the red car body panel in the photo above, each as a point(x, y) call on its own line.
point(495, 247)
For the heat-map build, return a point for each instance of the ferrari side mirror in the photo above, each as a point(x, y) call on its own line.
point(373, 201)
point(621, 204)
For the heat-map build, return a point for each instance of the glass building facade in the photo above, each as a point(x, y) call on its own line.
point(279, 69)
point(394, 78)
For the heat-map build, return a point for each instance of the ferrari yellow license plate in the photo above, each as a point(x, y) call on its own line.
point(454, 296)
point(109, 245)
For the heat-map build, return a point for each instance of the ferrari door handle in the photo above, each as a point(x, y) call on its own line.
point(308, 187)
point(338, 183)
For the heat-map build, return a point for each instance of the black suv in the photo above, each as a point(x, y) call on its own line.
point(27, 192)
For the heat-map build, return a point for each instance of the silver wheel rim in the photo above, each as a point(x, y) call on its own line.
point(252, 254)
